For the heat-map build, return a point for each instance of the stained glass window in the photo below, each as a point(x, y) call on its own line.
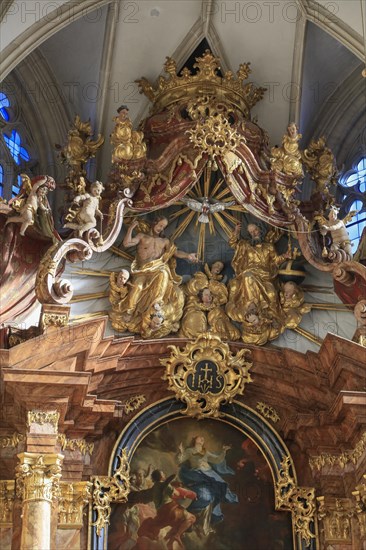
point(4, 102)
point(352, 190)
point(18, 152)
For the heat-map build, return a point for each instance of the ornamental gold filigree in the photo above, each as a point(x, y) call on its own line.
point(7, 495)
point(267, 411)
point(335, 515)
point(75, 444)
point(110, 489)
point(38, 476)
point(43, 417)
point(321, 165)
point(299, 500)
point(206, 80)
point(11, 440)
point(214, 136)
point(341, 460)
point(205, 374)
point(133, 403)
point(72, 499)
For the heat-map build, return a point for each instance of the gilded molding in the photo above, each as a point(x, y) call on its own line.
point(325, 459)
point(133, 403)
point(72, 499)
point(110, 489)
point(206, 374)
point(38, 476)
point(267, 411)
point(335, 515)
point(300, 501)
point(7, 495)
point(75, 444)
point(43, 417)
point(11, 440)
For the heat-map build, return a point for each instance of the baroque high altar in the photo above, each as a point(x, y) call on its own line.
point(181, 412)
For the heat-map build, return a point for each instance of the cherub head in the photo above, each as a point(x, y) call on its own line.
point(292, 130)
point(122, 112)
point(217, 267)
point(122, 277)
point(96, 188)
point(289, 290)
point(333, 213)
point(205, 296)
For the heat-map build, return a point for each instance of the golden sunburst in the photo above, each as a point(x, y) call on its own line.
point(215, 189)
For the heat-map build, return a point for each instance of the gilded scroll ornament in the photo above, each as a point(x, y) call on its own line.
point(107, 490)
point(205, 374)
point(299, 500)
point(133, 403)
point(75, 444)
point(267, 411)
point(340, 460)
point(11, 440)
point(7, 495)
point(73, 497)
point(38, 476)
point(43, 417)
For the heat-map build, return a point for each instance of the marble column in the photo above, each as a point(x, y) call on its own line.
point(37, 484)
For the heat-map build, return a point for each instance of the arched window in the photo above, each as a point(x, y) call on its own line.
point(352, 196)
point(15, 155)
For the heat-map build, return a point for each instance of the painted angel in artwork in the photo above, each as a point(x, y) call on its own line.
point(338, 231)
point(32, 206)
point(82, 214)
point(205, 207)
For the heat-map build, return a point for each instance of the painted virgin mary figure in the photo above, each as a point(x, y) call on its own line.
point(201, 471)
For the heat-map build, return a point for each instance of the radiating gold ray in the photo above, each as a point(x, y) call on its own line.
point(236, 207)
point(121, 253)
point(84, 316)
point(211, 226)
point(222, 194)
point(223, 224)
point(229, 217)
point(177, 233)
point(91, 272)
point(207, 181)
point(179, 213)
point(201, 242)
point(216, 188)
point(331, 307)
point(85, 297)
point(308, 336)
point(318, 289)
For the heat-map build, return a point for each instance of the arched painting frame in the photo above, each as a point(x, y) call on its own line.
point(289, 497)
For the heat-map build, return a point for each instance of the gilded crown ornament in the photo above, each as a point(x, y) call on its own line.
point(205, 81)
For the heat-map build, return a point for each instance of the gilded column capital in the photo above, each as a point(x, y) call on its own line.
point(38, 476)
point(43, 417)
point(73, 497)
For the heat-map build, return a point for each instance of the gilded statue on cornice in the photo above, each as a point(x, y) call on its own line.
point(128, 143)
point(154, 302)
point(254, 293)
point(206, 296)
point(287, 158)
